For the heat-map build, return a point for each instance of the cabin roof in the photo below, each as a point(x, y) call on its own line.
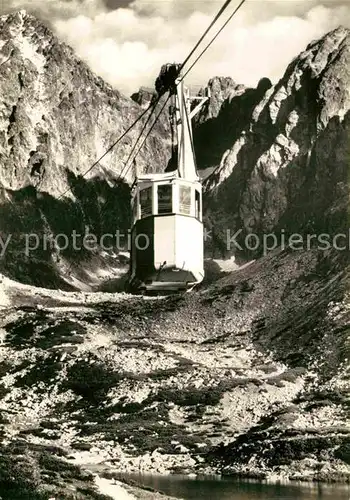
point(158, 176)
point(164, 176)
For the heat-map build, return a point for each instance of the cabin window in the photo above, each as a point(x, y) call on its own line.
point(134, 208)
point(197, 205)
point(185, 200)
point(165, 199)
point(146, 201)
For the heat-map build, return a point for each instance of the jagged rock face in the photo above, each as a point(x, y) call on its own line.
point(281, 152)
point(57, 115)
point(220, 89)
point(56, 119)
point(287, 166)
point(144, 96)
point(223, 118)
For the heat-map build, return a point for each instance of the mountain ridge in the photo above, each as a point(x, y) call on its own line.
point(42, 75)
point(57, 118)
point(265, 180)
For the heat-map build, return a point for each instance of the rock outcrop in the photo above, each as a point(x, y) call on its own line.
point(223, 118)
point(220, 89)
point(283, 165)
point(56, 119)
point(144, 96)
point(56, 115)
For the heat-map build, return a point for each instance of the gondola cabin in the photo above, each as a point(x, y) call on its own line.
point(167, 226)
point(167, 233)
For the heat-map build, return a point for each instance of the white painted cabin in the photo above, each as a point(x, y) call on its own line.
point(167, 228)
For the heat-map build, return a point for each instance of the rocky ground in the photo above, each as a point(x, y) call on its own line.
point(282, 153)
point(248, 376)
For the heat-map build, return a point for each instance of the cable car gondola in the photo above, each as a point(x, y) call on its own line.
point(167, 227)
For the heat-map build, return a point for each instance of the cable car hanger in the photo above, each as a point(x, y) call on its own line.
point(153, 104)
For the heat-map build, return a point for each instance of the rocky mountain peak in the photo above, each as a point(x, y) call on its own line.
point(286, 165)
point(223, 117)
point(323, 70)
point(220, 89)
point(56, 119)
point(27, 29)
point(56, 114)
point(144, 96)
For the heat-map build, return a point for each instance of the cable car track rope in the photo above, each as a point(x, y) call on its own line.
point(112, 146)
point(223, 8)
point(153, 105)
point(148, 133)
point(151, 109)
point(221, 11)
point(213, 39)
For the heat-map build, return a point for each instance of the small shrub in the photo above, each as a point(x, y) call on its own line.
point(91, 380)
point(343, 452)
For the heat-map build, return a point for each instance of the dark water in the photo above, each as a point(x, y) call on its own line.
point(208, 488)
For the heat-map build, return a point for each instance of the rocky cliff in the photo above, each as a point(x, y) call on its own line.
point(56, 119)
point(281, 153)
point(144, 96)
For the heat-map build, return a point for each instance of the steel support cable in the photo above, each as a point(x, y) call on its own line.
point(223, 8)
point(143, 142)
point(150, 130)
point(213, 39)
point(218, 15)
point(151, 108)
point(111, 147)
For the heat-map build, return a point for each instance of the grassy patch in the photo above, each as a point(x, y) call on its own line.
point(149, 430)
point(20, 333)
point(291, 376)
point(60, 333)
point(137, 311)
point(49, 462)
point(5, 368)
point(275, 447)
point(18, 481)
point(34, 472)
point(343, 452)
point(91, 380)
point(191, 396)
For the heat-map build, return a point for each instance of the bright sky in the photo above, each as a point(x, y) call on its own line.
point(126, 42)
